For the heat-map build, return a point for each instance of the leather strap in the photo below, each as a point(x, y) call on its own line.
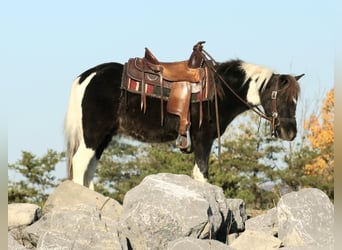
point(143, 96)
point(162, 97)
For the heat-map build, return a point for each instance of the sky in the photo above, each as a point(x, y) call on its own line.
point(45, 45)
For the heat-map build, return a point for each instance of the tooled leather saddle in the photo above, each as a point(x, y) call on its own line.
point(178, 83)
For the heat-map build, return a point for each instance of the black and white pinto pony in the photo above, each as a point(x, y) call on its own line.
point(97, 111)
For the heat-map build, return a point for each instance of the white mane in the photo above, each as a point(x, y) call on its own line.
point(257, 75)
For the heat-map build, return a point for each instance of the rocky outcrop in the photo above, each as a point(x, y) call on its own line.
point(166, 207)
point(167, 211)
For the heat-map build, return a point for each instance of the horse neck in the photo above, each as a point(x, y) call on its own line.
point(232, 106)
point(246, 81)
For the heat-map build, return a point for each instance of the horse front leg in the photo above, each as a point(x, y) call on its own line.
point(197, 173)
point(202, 151)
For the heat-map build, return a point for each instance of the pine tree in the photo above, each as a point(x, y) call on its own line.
point(36, 177)
point(248, 161)
point(117, 168)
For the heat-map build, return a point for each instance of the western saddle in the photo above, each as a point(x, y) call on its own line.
point(175, 82)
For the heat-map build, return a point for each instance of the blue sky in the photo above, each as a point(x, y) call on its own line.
point(46, 44)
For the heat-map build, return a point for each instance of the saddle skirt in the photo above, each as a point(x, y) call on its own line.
point(134, 73)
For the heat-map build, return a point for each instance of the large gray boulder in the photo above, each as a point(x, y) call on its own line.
point(79, 227)
point(74, 217)
point(236, 214)
point(165, 207)
point(306, 218)
point(69, 194)
point(267, 222)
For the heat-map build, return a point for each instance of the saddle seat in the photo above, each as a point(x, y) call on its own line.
point(174, 71)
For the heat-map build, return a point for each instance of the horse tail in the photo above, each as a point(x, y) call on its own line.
point(73, 125)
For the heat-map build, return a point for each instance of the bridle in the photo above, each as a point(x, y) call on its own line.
point(274, 118)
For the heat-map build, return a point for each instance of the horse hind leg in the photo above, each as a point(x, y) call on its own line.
point(83, 164)
point(88, 160)
point(89, 174)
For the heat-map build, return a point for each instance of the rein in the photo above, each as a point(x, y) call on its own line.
point(274, 119)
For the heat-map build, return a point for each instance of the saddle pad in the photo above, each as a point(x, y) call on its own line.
point(154, 91)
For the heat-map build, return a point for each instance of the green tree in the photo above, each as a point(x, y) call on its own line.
point(35, 177)
point(118, 168)
point(248, 161)
point(166, 158)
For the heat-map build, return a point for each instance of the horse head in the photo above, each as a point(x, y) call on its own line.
point(279, 100)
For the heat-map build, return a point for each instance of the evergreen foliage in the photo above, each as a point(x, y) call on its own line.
point(36, 177)
point(248, 162)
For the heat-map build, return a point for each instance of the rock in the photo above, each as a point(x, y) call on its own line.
point(74, 217)
point(22, 214)
point(237, 214)
point(69, 194)
point(13, 244)
point(22, 238)
point(267, 222)
point(235, 222)
point(196, 244)
point(231, 237)
point(306, 218)
point(76, 227)
point(255, 240)
point(165, 207)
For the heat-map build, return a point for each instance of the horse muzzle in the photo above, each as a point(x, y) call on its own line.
point(286, 129)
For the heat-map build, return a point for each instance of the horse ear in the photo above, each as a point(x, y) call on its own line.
point(299, 76)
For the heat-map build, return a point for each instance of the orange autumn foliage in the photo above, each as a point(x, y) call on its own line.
point(321, 138)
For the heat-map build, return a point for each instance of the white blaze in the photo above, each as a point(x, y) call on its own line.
point(257, 75)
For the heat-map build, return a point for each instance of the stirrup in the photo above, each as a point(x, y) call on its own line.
point(183, 142)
